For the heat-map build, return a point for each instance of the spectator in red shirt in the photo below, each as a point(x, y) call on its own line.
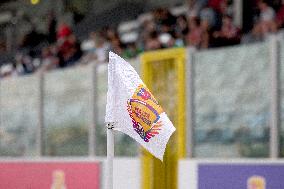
point(69, 50)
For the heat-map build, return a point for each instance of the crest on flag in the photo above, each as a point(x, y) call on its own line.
point(145, 112)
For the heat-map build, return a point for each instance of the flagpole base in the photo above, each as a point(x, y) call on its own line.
point(110, 155)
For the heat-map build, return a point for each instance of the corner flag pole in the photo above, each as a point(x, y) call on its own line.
point(110, 155)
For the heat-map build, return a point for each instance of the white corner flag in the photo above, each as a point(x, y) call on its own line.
point(134, 110)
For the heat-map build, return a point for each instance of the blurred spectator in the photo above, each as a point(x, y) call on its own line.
point(280, 16)
point(69, 48)
point(52, 23)
point(25, 63)
point(228, 35)
point(2, 46)
point(117, 46)
point(166, 40)
point(63, 31)
point(193, 38)
point(96, 48)
point(114, 42)
point(265, 24)
point(77, 15)
point(249, 15)
point(152, 42)
point(225, 8)
point(254, 36)
point(267, 13)
point(29, 48)
point(208, 23)
point(164, 21)
point(208, 14)
point(216, 5)
point(49, 60)
point(131, 51)
point(102, 48)
point(206, 34)
point(89, 45)
point(167, 19)
point(266, 18)
point(69, 51)
point(8, 70)
point(89, 48)
point(111, 34)
point(196, 5)
point(181, 28)
point(147, 27)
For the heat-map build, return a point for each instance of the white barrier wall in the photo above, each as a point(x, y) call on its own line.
point(126, 173)
point(187, 174)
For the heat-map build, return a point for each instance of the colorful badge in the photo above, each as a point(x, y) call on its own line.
point(145, 112)
point(256, 182)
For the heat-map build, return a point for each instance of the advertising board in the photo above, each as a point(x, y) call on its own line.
point(50, 175)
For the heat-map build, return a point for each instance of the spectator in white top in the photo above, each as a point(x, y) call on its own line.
point(267, 13)
point(266, 23)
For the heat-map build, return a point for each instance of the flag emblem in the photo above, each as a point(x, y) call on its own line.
point(145, 111)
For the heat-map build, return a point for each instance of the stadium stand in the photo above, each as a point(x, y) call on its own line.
point(201, 24)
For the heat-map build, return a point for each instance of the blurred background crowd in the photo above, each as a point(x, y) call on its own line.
point(198, 23)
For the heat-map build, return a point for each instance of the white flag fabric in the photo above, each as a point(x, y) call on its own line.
point(134, 110)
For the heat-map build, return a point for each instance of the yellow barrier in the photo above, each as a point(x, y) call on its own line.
point(163, 72)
